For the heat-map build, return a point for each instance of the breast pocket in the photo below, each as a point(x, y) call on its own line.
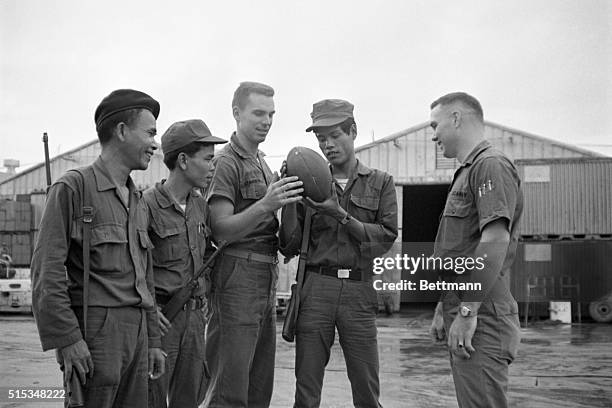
point(365, 207)
point(107, 246)
point(170, 243)
point(457, 224)
point(253, 189)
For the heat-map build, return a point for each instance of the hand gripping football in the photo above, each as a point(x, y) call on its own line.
point(312, 170)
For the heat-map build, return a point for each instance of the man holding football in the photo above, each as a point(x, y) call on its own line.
point(243, 198)
point(357, 222)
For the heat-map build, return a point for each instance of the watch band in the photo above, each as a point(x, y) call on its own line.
point(466, 311)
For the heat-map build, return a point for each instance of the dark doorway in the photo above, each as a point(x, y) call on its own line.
point(422, 206)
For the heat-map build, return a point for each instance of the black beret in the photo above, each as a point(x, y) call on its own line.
point(122, 100)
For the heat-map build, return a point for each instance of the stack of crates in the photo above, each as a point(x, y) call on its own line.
point(16, 230)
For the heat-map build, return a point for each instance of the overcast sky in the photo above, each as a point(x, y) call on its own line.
point(542, 66)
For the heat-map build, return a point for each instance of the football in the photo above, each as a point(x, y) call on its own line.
point(312, 170)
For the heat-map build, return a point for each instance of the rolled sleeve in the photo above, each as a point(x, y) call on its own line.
point(57, 324)
point(225, 181)
point(495, 189)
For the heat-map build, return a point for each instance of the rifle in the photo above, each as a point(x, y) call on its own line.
point(178, 300)
point(294, 303)
point(45, 140)
point(74, 393)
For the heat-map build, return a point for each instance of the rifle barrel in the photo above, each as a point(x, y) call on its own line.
point(45, 140)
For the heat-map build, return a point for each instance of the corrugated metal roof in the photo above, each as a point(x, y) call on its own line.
point(412, 158)
point(51, 160)
point(425, 125)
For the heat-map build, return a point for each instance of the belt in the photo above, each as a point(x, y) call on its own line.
point(194, 303)
point(251, 256)
point(336, 272)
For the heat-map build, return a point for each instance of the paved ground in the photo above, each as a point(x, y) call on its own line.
point(558, 366)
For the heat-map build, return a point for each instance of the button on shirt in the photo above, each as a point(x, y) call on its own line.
point(121, 272)
point(179, 238)
point(243, 178)
point(485, 188)
point(369, 196)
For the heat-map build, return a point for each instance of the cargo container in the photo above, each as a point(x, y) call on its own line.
point(15, 216)
point(18, 245)
point(21, 248)
point(567, 198)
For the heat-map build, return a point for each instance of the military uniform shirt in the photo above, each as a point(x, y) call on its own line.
point(369, 196)
point(179, 238)
point(121, 270)
point(485, 188)
point(243, 179)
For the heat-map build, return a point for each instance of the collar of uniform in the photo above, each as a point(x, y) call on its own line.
point(360, 169)
point(485, 144)
point(103, 179)
point(162, 195)
point(241, 151)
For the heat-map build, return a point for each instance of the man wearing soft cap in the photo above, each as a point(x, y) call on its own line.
point(177, 214)
point(96, 306)
point(349, 229)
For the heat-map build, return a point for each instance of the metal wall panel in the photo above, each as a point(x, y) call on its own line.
point(575, 200)
point(586, 263)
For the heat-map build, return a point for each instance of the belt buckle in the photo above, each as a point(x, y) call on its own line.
point(344, 273)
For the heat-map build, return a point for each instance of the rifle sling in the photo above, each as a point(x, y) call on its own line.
point(88, 213)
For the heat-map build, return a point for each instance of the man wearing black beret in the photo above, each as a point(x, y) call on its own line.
point(92, 271)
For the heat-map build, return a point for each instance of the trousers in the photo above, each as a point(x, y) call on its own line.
point(241, 333)
point(118, 343)
point(184, 381)
point(329, 303)
point(482, 380)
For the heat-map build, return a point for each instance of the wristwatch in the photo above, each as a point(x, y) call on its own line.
point(466, 311)
point(346, 219)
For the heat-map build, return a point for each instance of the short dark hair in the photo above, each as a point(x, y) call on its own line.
point(347, 124)
point(246, 88)
point(106, 128)
point(190, 150)
point(462, 97)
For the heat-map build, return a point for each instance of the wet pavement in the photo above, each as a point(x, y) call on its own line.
point(557, 366)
